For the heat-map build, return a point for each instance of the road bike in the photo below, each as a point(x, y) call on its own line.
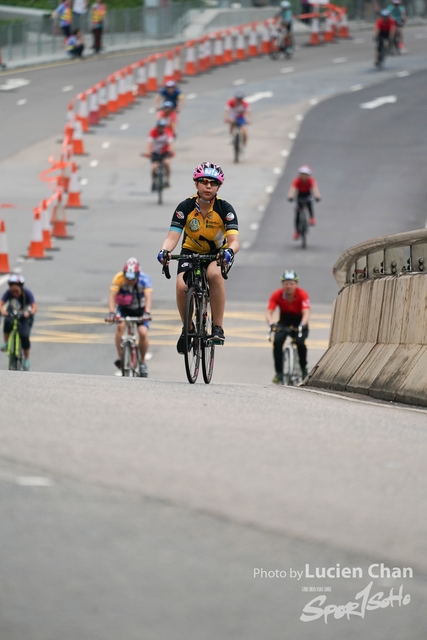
point(237, 139)
point(383, 48)
point(198, 324)
point(14, 345)
point(159, 177)
point(281, 41)
point(131, 355)
point(303, 217)
point(396, 41)
point(292, 373)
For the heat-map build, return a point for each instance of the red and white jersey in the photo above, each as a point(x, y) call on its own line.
point(238, 108)
point(160, 140)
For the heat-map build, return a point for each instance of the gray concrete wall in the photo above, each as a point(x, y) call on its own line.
point(378, 343)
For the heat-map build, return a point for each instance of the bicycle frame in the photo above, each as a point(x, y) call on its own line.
point(303, 226)
point(130, 348)
point(237, 140)
point(14, 346)
point(292, 372)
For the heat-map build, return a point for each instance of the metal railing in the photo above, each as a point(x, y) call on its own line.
point(395, 254)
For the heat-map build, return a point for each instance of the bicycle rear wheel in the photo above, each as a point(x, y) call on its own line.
point(192, 337)
point(297, 371)
point(134, 362)
point(303, 227)
point(208, 348)
point(237, 145)
point(287, 365)
point(127, 360)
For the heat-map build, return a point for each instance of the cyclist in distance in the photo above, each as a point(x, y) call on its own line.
point(167, 113)
point(19, 298)
point(207, 224)
point(238, 111)
point(398, 14)
point(294, 306)
point(160, 145)
point(304, 186)
point(285, 18)
point(131, 295)
point(171, 93)
point(384, 32)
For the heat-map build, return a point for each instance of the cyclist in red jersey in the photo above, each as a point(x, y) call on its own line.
point(384, 31)
point(304, 187)
point(159, 145)
point(294, 306)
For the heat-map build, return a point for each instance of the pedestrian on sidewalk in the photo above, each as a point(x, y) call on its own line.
point(98, 12)
point(79, 11)
point(65, 15)
point(74, 45)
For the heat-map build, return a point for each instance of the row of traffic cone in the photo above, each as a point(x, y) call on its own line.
point(336, 25)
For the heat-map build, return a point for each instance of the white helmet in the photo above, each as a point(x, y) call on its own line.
point(285, 4)
point(305, 169)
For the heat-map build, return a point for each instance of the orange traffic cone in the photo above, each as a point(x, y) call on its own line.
point(83, 112)
point(177, 64)
point(4, 256)
point(112, 104)
point(78, 148)
point(130, 83)
point(152, 74)
point(47, 239)
point(168, 73)
point(253, 41)
point(218, 51)
point(70, 112)
point(59, 221)
point(102, 99)
point(343, 25)
point(327, 32)
point(93, 107)
point(141, 78)
point(122, 98)
point(228, 48)
point(190, 60)
point(314, 34)
point(73, 201)
point(36, 249)
point(266, 39)
point(240, 46)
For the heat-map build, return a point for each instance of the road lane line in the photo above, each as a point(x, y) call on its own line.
point(259, 96)
point(378, 102)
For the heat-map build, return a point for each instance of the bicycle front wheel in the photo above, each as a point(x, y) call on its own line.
point(287, 365)
point(303, 227)
point(297, 371)
point(237, 146)
point(127, 360)
point(192, 337)
point(208, 347)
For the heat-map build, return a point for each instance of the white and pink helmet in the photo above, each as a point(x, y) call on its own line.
point(209, 170)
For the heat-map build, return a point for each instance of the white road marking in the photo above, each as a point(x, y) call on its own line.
point(259, 96)
point(403, 74)
point(148, 355)
point(356, 87)
point(269, 189)
point(238, 82)
point(254, 226)
point(123, 127)
point(105, 145)
point(313, 101)
point(21, 102)
point(287, 70)
point(299, 117)
point(83, 181)
point(277, 171)
point(284, 153)
point(261, 208)
point(34, 481)
point(69, 87)
point(151, 110)
point(292, 135)
point(358, 41)
point(378, 102)
point(246, 245)
point(339, 60)
point(191, 96)
point(14, 83)
point(19, 269)
point(93, 163)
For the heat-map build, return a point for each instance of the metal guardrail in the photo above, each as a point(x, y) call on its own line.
point(385, 256)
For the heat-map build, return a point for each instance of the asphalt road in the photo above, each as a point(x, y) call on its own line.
point(141, 508)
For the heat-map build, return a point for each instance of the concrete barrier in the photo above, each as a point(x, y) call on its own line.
point(378, 342)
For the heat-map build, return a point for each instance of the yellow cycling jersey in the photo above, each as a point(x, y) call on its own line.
point(204, 234)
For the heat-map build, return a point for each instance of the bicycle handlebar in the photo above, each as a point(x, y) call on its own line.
point(193, 256)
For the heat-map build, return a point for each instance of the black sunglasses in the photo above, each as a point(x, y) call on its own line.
point(205, 181)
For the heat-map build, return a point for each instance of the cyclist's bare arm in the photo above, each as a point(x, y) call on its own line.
point(171, 241)
point(227, 114)
point(292, 192)
point(148, 301)
point(269, 314)
point(112, 301)
point(233, 242)
point(316, 192)
point(3, 311)
point(180, 103)
point(305, 316)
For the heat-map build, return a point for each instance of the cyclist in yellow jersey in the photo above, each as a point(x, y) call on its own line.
point(207, 225)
